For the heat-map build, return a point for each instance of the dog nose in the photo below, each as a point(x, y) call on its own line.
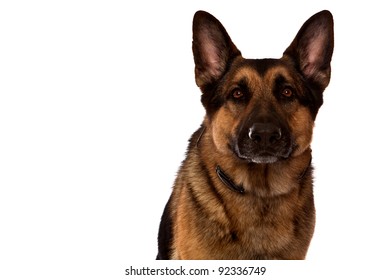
point(265, 134)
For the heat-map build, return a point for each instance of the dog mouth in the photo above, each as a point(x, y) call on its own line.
point(260, 157)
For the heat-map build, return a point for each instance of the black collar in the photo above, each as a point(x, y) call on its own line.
point(228, 182)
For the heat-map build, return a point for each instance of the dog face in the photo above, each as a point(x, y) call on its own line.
point(262, 110)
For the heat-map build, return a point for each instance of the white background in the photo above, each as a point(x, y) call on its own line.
point(98, 100)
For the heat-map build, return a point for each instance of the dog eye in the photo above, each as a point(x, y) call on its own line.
point(287, 92)
point(237, 94)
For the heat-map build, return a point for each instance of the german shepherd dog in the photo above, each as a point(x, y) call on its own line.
point(245, 188)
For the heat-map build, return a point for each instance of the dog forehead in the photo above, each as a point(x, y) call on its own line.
point(261, 72)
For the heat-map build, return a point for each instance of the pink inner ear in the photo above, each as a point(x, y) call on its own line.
point(212, 59)
point(315, 53)
point(211, 55)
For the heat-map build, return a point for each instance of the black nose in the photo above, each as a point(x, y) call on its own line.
point(265, 134)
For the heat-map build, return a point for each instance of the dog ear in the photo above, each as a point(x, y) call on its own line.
point(312, 48)
point(212, 47)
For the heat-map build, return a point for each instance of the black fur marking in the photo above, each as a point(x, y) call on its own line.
point(202, 212)
point(281, 83)
point(165, 234)
point(210, 183)
point(196, 138)
point(313, 101)
point(196, 202)
point(213, 188)
point(263, 65)
point(211, 100)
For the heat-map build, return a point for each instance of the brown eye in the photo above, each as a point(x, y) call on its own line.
point(287, 92)
point(237, 94)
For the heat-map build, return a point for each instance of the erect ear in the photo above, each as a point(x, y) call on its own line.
point(312, 48)
point(212, 47)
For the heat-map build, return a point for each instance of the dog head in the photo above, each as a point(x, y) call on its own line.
point(262, 110)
